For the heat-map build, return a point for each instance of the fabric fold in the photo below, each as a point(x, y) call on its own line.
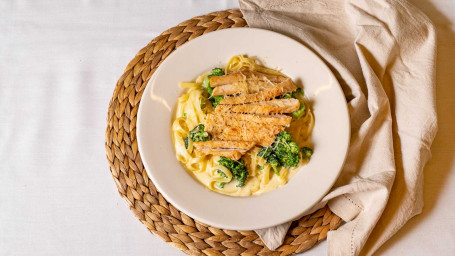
point(383, 55)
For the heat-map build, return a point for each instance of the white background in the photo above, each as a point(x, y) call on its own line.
point(59, 62)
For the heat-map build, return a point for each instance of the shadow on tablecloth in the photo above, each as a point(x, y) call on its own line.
point(437, 170)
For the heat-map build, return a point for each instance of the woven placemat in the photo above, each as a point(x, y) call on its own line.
point(159, 216)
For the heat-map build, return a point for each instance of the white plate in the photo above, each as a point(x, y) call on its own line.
point(330, 136)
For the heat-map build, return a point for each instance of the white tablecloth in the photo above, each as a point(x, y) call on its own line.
point(59, 61)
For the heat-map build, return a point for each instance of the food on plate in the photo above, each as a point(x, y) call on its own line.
point(230, 149)
point(276, 106)
point(226, 127)
point(243, 129)
point(268, 93)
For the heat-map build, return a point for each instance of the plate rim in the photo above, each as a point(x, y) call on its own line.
point(207, 221)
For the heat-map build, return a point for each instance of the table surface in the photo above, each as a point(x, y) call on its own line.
point(59, 62)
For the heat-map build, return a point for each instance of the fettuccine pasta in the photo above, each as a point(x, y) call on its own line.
point(192, 109)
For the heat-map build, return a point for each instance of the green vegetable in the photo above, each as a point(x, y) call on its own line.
point(294, 147)
point(306, 152)
point(202, 103)
point(217, 72)
point(283, 137)
point(221, 173)
point(297, 94)
point(216, 100)
point(184, 115)
point(185, 140)
point(300, 112)
point(260, 167)
point(237, 168)
point(273, 161)
point(286, 96)
point(284, 152)
point(265, 152)
point(290, 160)
point(206, 84)
point(198, 134)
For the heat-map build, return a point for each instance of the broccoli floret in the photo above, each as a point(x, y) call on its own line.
point(198, 134)
point(283, 137)
point(290, 160)
point(294, 148)
point(265, 152)
point(306, 152)
point(280, 149)
point(217, 72)
point(260, 167)
point(285, 147)
point(206, 84)
point(185, 140)
point(295, 94)
point(298, 94)
point(299, 113)
point(221, 184)
point(286, 96)
point(274, 163)
point(287, 155)
point(216, 100)
point(270, 157)
point(284, 151)
point(237, 168)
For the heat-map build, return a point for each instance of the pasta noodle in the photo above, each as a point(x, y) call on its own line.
point(192, 109)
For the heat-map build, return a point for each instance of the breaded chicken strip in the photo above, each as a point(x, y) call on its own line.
point(277, 106)
point(267, 94)
point(229, 149)
point(244, 75)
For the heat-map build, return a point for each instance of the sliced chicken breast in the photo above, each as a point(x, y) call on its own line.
point(241, 127)
point(267, 94)
point(229, 149)
point(220, 118)
point(242, 87)
point(263, 107)
point(244, 75)
point(249, 114)
point(263, 136)
point(232, 154)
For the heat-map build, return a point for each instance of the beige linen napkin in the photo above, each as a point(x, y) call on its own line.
point(383, 54)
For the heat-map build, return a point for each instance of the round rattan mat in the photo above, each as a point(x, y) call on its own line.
point(159, 216)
